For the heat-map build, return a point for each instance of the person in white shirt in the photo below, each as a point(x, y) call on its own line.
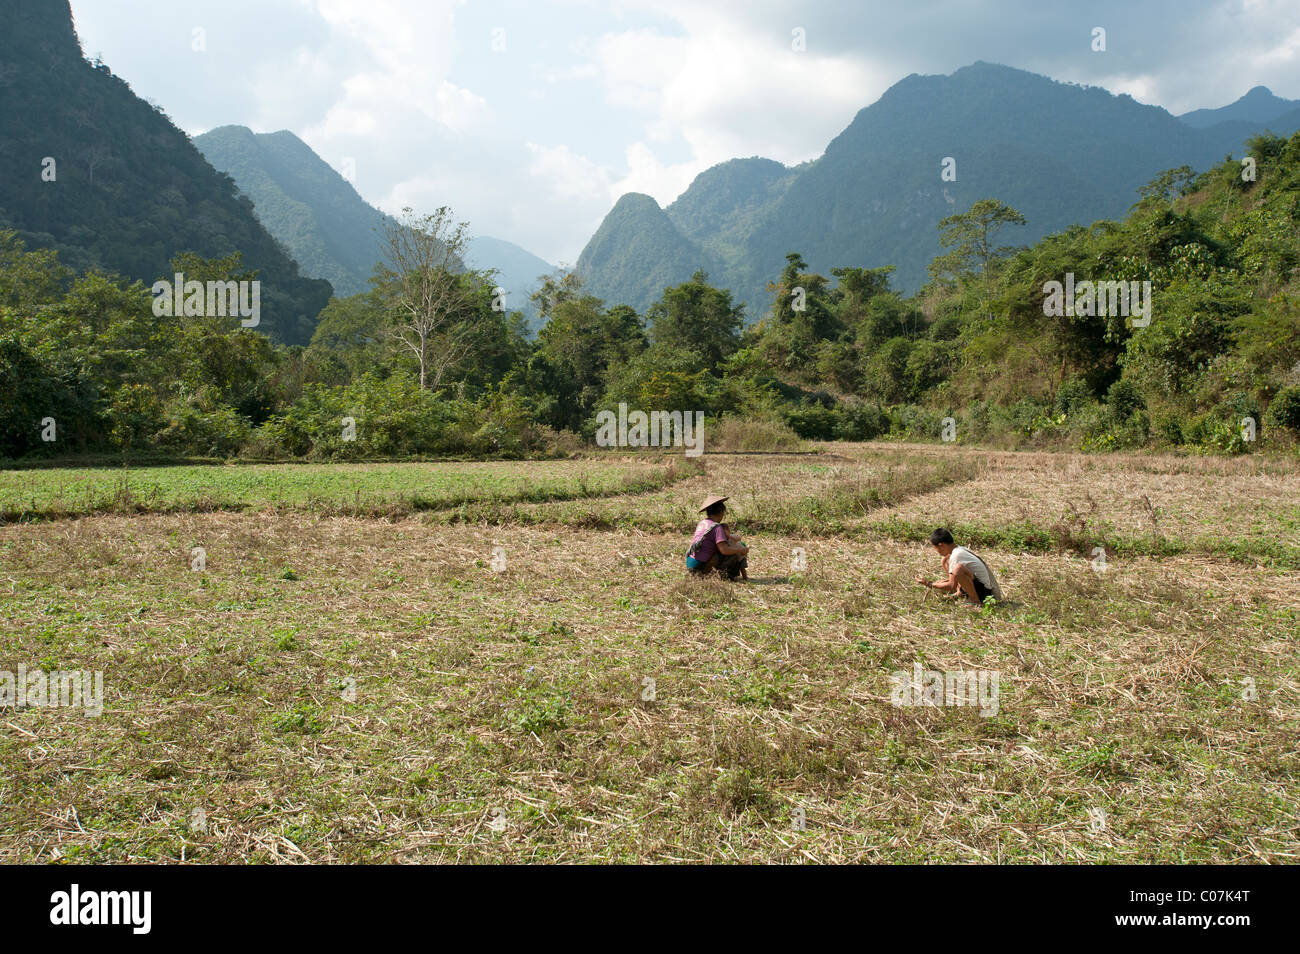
point(968, 575)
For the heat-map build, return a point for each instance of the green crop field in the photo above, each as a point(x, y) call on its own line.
point(396, 487)
point(520, 670)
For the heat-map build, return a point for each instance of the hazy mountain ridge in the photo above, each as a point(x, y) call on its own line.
point(723, 202)
point(517, 271)
point(1259, 105)
point(330, 229)
point(302, 200)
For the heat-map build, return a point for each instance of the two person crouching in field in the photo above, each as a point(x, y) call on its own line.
point(715, 550)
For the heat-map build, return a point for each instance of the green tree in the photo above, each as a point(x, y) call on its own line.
point(576, 348)
point(1166, 187)
point(664, 378)
point(971, 237)
point(695, 316)
point(28, 279)
point(859, 285)
point(350, 336)
point(134, 416)
point(803, 319)
point(32, 391)
point(558, 287)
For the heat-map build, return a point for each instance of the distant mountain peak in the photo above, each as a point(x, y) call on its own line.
point(985, 66)
point(232, 130)
point(1258, 105)
point(636, 201)
point(636, 252)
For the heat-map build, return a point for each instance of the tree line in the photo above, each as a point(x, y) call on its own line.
point(431, 361)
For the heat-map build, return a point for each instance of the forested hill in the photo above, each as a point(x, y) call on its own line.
point(126, 191)
point(1060, 153)
point(331, 231)
point(637, 252)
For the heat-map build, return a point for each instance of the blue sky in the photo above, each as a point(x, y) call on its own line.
point(531, 118)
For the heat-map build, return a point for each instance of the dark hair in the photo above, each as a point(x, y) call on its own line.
point(716, 509)
point(940, 536)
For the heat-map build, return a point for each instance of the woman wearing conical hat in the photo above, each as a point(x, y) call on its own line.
point(714, 549)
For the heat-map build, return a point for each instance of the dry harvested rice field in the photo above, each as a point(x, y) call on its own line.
point(505, 662)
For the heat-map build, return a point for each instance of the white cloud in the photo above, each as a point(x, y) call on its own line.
point(664, 182)
point(567, 174)
point(728, 89)
point(410, 52)
point(1286, 51)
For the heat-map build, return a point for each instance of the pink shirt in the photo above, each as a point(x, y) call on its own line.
point(708, 534)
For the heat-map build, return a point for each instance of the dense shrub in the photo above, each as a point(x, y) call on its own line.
point(135, 415)
point(860, 421)
point(1073, 395)
point(394, 417)
point(917, 423)
point(885, 373)
point(1168, 427)
point(812, 421)
point(192, 431)
point(1124, 399)
point(32, 391)
point(1284, 412)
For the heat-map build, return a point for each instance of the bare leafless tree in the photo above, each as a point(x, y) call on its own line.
point(97, 155)
point(429, 306)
